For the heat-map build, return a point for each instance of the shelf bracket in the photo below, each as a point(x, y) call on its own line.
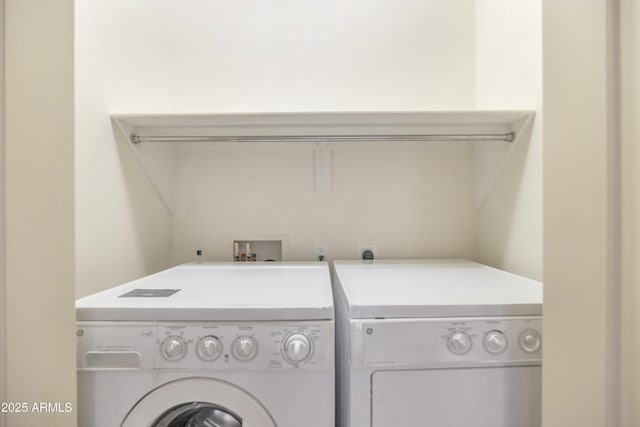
point(323, 167)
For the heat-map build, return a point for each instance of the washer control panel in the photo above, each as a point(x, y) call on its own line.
point(443, 342)
point(217, 346)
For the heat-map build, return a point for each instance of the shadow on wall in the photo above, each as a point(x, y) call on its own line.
point(509, 223)
point(152, 220)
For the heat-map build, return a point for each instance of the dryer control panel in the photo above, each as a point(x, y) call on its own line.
point(446, 342)
point(206, 346)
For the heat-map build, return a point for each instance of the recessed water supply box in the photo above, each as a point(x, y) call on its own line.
point(256, 249)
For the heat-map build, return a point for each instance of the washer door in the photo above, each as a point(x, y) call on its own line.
point(198, 402)
point(198, 414)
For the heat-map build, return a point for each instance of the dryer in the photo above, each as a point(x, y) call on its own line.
point(212, 344)
point(444, 343)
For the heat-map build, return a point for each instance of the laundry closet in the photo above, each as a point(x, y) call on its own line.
point(434, 67)
point(99, 72)
point(411, 129)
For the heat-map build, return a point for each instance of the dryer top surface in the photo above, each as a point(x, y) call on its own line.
point(434, 288)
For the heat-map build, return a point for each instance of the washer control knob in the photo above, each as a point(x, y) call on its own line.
point(459, 343)
point(530, 340)
point(174, 348)
point(297, 348)
point(209, 348)
point(495, 342)
point(244, 348)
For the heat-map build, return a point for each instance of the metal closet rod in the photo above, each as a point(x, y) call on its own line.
point(507, 137)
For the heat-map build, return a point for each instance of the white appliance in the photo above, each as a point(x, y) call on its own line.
point(224, 345)
point(444, 343)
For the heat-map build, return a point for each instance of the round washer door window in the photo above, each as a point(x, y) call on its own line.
point(198, 414)
point(198, 402)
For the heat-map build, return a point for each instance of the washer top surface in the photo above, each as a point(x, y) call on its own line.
point(217, 292)
point(434, 288)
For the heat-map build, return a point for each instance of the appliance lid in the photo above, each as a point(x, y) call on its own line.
point(434, 288)
point(217, 292)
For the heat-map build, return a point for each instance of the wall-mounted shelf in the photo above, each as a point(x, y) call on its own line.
point(315, 127)
point(154, 137)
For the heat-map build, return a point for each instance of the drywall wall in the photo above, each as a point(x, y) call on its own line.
point(630, 156)
point(410, 202)
point(39, 210)
point(3, 300)
point(508, 178)
point(227, 56)
point(576, 216)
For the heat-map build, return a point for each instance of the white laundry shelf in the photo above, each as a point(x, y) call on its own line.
point(154, 137)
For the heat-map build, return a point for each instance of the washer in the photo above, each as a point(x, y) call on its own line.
point(436, 343)
point(215, 344)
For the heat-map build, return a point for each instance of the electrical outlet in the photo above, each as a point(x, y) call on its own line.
point(363, 247)
point(322, 251)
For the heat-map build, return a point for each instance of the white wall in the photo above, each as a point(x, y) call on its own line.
point(3, 345)
point(630, 292)
point(227, 56)
point(410, 202)
point(38, 208)
point(509, 75)
point(576, 215)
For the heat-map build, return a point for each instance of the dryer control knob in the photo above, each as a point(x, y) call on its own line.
point(459, 343)
point(209, 348)
point(495, 342)
point(174, 348)
point(530, 340)
point(297, 348)
point(244, 348)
